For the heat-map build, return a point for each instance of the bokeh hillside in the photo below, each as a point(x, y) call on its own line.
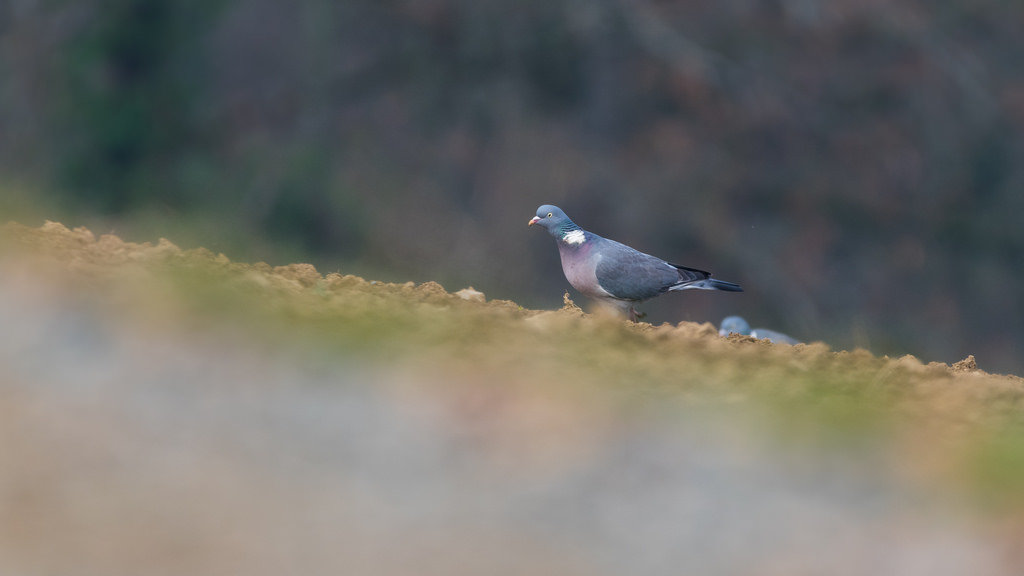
point(169, 411)
point(857, 166)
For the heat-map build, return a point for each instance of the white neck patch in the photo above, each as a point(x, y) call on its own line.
point(574, 237)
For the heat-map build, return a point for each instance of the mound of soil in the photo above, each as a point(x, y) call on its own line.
point(168, 407)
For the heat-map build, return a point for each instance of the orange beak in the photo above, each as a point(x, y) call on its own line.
point(533, 221)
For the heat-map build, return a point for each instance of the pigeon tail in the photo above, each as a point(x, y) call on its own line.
point(690, 278)
point(715, 284)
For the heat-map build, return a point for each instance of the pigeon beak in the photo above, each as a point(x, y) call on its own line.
point(533, 221)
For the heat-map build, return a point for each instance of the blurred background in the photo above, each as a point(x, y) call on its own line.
point(857, 166)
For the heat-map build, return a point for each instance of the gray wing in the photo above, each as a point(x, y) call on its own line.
point(775, 337)
point(629, 274)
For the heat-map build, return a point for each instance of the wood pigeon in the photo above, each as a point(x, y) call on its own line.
point(614, 274)
point(737, 325)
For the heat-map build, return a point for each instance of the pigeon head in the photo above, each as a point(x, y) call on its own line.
point(734, 324)
point(554, 220)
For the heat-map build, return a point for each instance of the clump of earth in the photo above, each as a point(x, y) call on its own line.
point(170, 410)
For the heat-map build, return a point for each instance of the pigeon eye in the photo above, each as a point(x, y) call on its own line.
point(550, 214)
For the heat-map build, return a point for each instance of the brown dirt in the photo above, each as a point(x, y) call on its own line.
point(170, 408)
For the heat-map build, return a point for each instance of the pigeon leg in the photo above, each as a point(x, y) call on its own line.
point(636, 316)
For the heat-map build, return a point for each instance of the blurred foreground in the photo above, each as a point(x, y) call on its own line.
point(168, 412)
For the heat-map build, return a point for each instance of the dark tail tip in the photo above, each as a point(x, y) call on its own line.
point(723, 285)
